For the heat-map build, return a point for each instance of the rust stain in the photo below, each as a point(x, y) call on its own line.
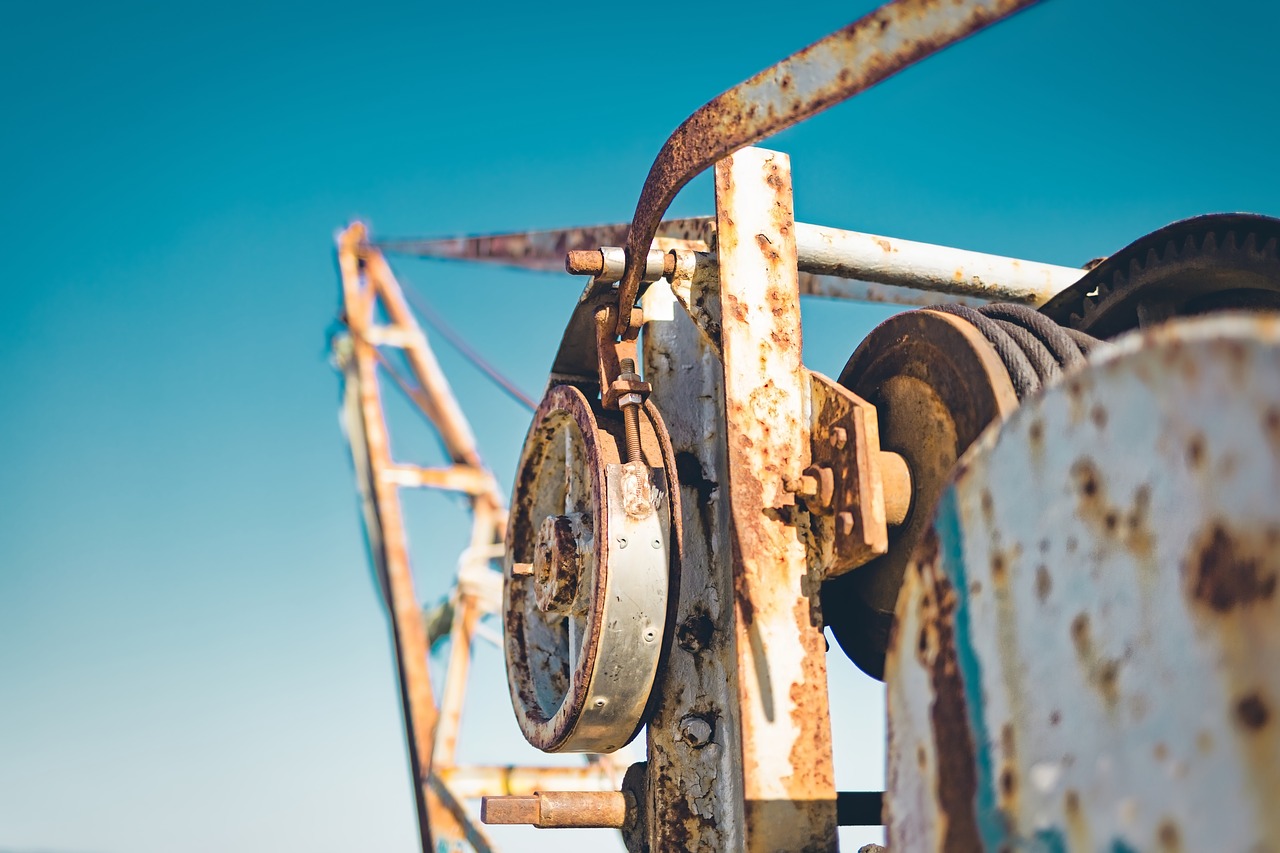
point(1103, 674)
point(1044, 584)
point(957, 781)
point(1195, 452)
point(1252, 712)
point(1271, 422)
point(1077, 825)
point(1225, 574)
point(1129, 527)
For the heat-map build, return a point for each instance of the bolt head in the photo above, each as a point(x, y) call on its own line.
point(844, 523)
point(839, 437)
point(696, 731)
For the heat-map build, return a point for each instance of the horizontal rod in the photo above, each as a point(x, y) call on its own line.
point(924, 266)
point(472, 781)
point(851, 255)
point(561, 810)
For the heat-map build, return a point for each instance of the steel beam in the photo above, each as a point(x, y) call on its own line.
point(789, 798)
point(695, 784)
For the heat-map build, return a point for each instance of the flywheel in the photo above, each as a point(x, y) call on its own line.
point(591, 543)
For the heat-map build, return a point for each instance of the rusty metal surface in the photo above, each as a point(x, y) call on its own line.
point(788, 788)
point(827, 72)
point(855, 290)
point(1189, 267)
point(384, 525)
point(849, 523)
point(561, 809)
point(1088, 647)
point(476, 781)
point(935, 383)
point(543, 251)
point(584, 629)
point(693, 794)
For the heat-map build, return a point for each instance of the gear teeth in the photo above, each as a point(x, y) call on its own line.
point(1152, 258)
point(1229, 242)
point(1119, 280)
point(1210, 243)
point(1269, 248)
point(1189, 247)
point(1170, 252)
point(1135, 268)
point(1251, 243)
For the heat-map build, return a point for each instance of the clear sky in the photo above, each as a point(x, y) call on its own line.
point(192, 657)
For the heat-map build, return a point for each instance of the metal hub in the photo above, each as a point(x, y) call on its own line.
point(590, 542)
point(936, 384)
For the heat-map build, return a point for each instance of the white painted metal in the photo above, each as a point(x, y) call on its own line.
point(1098, 613)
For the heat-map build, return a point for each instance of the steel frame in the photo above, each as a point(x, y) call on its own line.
point(376, 316)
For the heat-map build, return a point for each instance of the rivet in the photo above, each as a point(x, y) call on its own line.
point(649, 635)
point(622, 541)
point(657, 543)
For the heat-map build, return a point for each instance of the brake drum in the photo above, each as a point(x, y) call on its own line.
point(936, 384)
point(1086, 653)
point(591, 543)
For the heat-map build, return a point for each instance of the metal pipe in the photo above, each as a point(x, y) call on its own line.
point(561, 809)
point(476, 781)
point(906, 263)
point(833, 253)
point(831, 256)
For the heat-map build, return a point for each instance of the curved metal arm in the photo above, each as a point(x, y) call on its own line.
point(825, 73)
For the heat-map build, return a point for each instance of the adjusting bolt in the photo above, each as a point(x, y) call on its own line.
point(630, 405)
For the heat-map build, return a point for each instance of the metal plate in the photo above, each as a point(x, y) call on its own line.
point(580, 672)
point(1087, 647)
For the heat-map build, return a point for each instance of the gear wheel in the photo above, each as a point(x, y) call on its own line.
point(1206, 263)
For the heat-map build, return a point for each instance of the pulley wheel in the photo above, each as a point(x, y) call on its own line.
point(590, 547)
point(936, 384)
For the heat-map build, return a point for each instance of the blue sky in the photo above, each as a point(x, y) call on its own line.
point(191, 653)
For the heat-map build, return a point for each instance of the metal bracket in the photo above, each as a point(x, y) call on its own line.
point(844, 487)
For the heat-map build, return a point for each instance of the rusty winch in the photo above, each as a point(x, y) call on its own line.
point(1042, 506)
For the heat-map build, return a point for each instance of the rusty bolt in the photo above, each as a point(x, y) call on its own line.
point(844, 523)
point(630, 405)
point(839, 437)
point(696, 731)
point(818, 485)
